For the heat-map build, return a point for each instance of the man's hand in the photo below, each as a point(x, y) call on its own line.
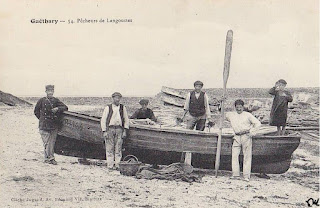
point(211, 123)
point(150, 122)
point(54, 110)
point(180, 120)
point(105, 134)
point(252, 132)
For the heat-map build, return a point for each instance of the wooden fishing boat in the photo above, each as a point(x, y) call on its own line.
point(178, 102)
point(173, 92)
point(271, 154)
point(173, 101)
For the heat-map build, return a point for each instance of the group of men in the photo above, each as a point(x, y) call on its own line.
point(115, 123)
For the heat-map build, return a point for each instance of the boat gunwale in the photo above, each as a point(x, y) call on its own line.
point(184, 131)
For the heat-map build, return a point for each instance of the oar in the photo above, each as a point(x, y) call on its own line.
point(226, 69)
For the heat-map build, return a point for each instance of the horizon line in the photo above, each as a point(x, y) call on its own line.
point(156, 93)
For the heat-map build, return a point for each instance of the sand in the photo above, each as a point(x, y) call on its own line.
point(28, 182)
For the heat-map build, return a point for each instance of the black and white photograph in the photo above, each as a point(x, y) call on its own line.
point(178, 104)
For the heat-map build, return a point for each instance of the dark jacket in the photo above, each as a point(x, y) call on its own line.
point(196, 106)
point(143, 114)
point(43, 111)
point(278, 114)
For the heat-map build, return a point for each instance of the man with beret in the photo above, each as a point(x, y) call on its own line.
point(197, 107)
point(114, 124)
point(144, 112)
point(279, 110)
point(48, 110)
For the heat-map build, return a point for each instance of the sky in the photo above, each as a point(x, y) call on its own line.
point(169, 43)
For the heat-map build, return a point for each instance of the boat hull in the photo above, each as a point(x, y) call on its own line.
point(271, 154)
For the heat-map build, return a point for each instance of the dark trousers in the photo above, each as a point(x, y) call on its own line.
point(196, 122)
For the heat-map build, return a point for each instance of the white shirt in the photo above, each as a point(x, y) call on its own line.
point(206, 103)
point(115, 119)
point(242, 122)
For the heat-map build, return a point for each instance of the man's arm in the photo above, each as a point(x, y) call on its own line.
point(126, 122)
point(103, 120)
point(289, 96)
point(37, 108)
point(186, 105)
point(153, 118)
point(206, 105)
point(135, 115)
point(273, 91)
point(126, 118)
point(227, 116)
point(61, 106)
point(255, 123)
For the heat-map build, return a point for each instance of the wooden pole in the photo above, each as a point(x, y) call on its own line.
point(226, 69)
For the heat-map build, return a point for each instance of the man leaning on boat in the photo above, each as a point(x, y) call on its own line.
point(197, 108)
point(48, 110)
point(244, 125)
point(114, 124)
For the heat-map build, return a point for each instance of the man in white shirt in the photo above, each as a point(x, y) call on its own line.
point(245, 126)
point(197, 107)
point(114, 124)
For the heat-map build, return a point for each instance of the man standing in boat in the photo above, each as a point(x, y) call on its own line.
point(279, 111)
point(48, 110)
point(244, 125)
point(197, 108)
point(114, 125)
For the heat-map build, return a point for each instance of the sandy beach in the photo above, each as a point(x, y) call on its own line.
point(28, 182)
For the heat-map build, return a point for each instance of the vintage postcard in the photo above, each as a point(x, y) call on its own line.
point(209, 103)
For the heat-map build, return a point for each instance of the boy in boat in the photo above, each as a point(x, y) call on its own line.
point(197, 104)
point(244, 125)
point(114, 124)
point(144, 112)
point(48, 110)
point(279, 110)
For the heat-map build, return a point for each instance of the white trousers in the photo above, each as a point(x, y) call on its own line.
point(114, 146)
point(244, 141)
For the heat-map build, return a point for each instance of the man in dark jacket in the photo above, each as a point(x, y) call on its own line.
point(48, 110)
point(279, 111)
point(197, 107)
point(144, 112)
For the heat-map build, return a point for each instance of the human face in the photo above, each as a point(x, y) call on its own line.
point(281, 86)
point(116, 100)
point(198, 88)
point(144, 106)
point(239, 109)
point(49, 93)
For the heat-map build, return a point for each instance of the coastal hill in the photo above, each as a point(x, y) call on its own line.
point(11, 100)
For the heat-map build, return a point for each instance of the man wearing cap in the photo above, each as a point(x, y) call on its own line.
point(197, 107)
point(144, 112)
point(114, 124)
point(48, 110)
point(279, 110)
